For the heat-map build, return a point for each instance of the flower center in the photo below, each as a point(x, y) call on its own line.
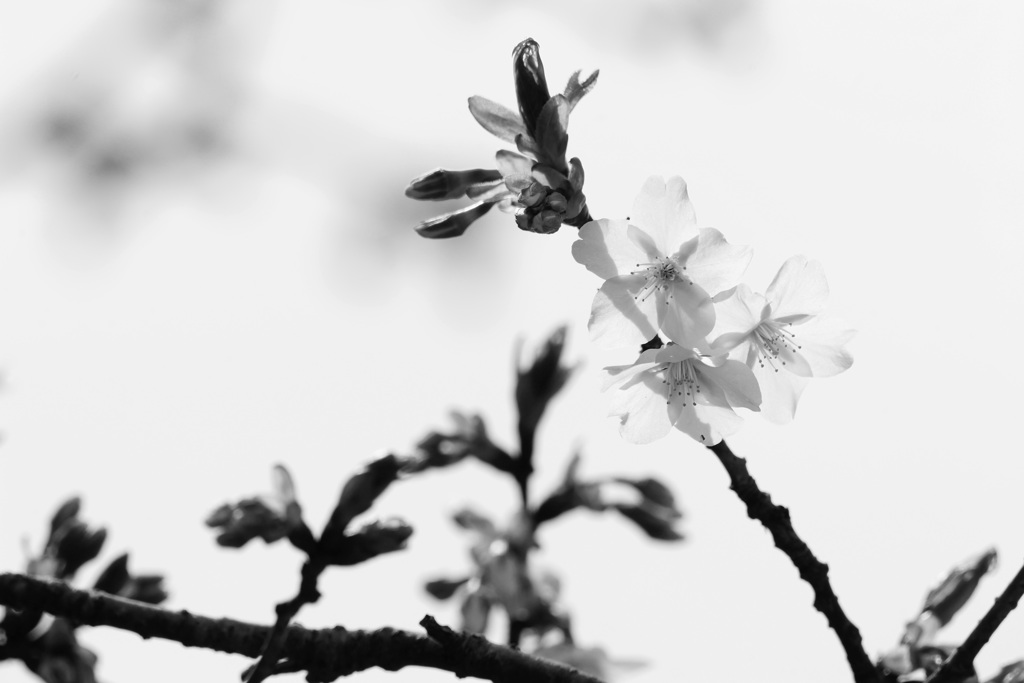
point(658, 275)
point(682, 382)
point(771, 338)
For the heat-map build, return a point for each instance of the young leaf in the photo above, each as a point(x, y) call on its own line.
point(359, 493)
point(575, 90)
point(496, 119)
point(654, 525)
point(442, 589)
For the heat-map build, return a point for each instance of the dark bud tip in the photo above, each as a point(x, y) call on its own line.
point(531, 84)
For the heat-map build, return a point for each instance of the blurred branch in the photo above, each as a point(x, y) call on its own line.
point(286, 611)
point(327, 654)
point(963, 659)
point(776, 519)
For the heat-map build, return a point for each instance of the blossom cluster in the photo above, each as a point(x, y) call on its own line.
point(536, 183)
point(727, 348)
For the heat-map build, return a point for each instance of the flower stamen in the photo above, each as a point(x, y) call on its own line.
point(770, 339)
point(658, 274)
point(682, 381)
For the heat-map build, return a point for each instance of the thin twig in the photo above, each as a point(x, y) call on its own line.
point(326, 654)
point(776, 519)
point(961, 664)
point(286, 611)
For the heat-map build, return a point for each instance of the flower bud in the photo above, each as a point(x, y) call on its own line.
point(442, 184)
point(533, 194)
point(453, 224)
point(76, 545)
point(556, 202)
point(248, 519)
point(531, 84)
point(946, 600)
point(1011, 673)
point(547, 222)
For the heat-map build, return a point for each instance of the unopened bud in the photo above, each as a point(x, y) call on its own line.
point(556, 202)
point(531, 84)
point(453, 224)
point(533, 195)
point(442, 184)
point(78, 545)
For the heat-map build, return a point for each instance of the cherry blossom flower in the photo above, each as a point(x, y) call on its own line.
point(677, 387)
point(660, 270)
point(781, 335)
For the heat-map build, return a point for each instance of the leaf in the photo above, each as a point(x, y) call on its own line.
point(654, 491)
point(474, 521)
point(575, 90)
point(376, 538)
point(496, 119)
point(551, 132)
point(475, 610)
point(946, 599)
point(114, 577)
point(66, 512)
point(655, 526)
point(442, 589)
point(359, 493)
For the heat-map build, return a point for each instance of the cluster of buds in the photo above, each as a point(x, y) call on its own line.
point(502, 579)
point(918, 656)
point(48, 645)
point(278, 515)
point(270, 517)
point(536, 182)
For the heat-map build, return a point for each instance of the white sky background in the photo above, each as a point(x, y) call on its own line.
point(164, 341)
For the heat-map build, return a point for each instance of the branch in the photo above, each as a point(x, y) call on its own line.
point(286, 611)
point(326, 653)
point(961, 664)
point(775, 518)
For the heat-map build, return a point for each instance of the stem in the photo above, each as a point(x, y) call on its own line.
point(326, 653)
point(286, 611)
point(961, 664)
point(776, 519)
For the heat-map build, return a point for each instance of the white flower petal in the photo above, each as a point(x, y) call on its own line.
point(717, 265)
point(688, 314)
point(618, 374)
point(736, 383)
point(736, 316)
point(618, 318)
point(799, 288)
point(642, 408)
point(663, 210)
point(606, 248)
point(780, 392)
point(708, 424)
point(820, 348)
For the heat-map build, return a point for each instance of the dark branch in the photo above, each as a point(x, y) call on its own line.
point(961, 664)
point(775, 518)
point(326, 654)
point(286, 611)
